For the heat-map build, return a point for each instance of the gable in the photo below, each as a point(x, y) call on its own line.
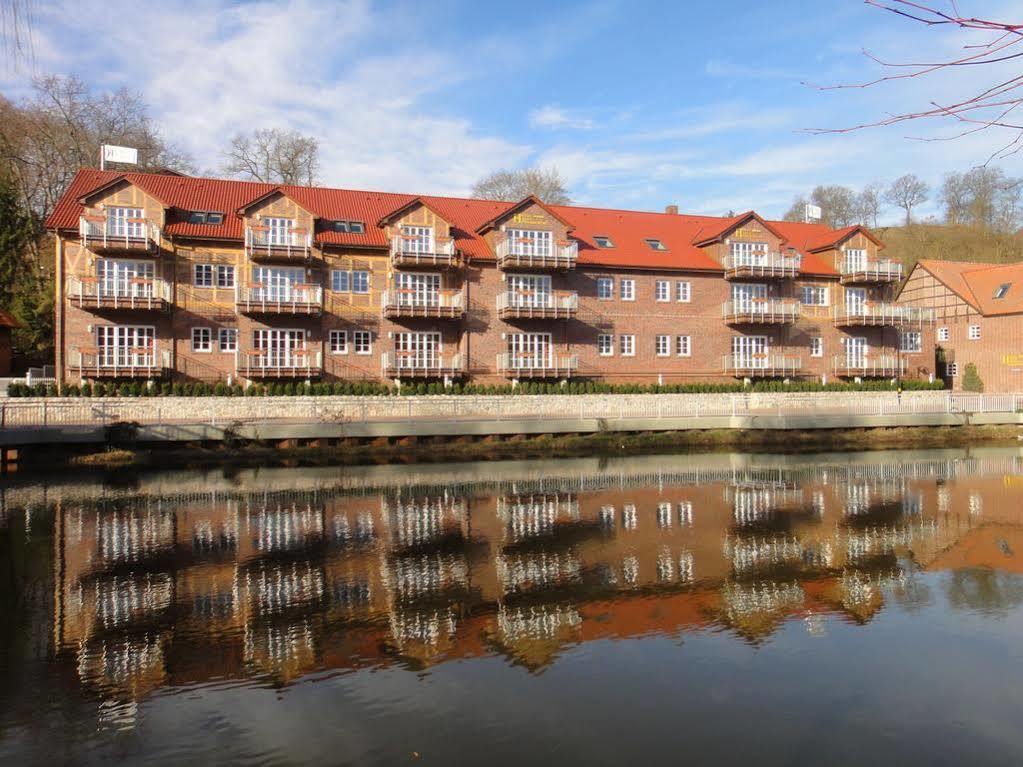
point(124, 194)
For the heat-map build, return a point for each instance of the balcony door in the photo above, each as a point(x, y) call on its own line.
point(748, 297)
point(417, 239)
point(416, 289)
point(856, 260)
point(279, 231)
point(749, 351)
point(530, 242)
point(280, 348)
point(530, 350)
point(855, 300)
point(856, 352)
point(125, 222)
point(126, 346)
point(418, 351)
point(529, 290)
point(277, 283)
point(125, 278)
point(749, 253)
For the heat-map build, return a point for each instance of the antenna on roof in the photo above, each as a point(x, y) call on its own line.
point(811, 213)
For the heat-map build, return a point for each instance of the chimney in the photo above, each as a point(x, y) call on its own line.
point(672, 209)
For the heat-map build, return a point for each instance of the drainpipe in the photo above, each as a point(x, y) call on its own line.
point(58, 330)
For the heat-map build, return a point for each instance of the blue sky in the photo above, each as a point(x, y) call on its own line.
point(637, 104)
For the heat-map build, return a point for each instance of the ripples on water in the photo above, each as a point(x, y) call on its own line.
point(815, 609)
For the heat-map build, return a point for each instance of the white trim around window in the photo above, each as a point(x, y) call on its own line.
point(227, 339)
point(911, 341)
point(605, 345)
point(338, 340)
point(627, 289)
point(943, 334)
point(362, 341)
point(662, 345)
point(606, 288)
point(627, 345)
point(683, 346)
point(973, 332)
point(202, 340)
point(662, 291)
point(816, 346)
point(683, 291)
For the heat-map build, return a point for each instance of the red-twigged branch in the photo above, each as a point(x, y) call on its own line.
point(992, 107)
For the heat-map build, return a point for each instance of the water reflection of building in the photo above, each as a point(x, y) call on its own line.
point(154, 593)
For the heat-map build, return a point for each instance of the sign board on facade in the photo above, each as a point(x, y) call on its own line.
point(125, 154)
point(1012, 359)
point(530, 219)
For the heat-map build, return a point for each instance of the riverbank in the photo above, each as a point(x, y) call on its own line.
point(424, 450)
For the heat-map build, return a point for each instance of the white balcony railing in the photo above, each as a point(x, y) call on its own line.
point(547, 304)
point(402, 363)
point(134, 234)
point(409, 302)
point(287, 299)
point(119, 362)
point(870, 270)
point(537, 364)
point(780, 265)
point(531, 254)
point(764, 365)
point(265, 242)
point(869, 365)
point(130, 293)
point(881, 313)
point(287, 363)
point(409, 250)
point(761, 310)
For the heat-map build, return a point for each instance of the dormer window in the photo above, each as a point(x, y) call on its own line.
point(1002, 289)
point(356, 227)
point(347, 227)
point(655, 244)
point(603, 241)
point(205, 217)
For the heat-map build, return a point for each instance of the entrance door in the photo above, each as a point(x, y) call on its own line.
point(748, 297)
point(125, 278)
point(530, 291)
point(276, 283)
point(418, 351)
point(281, 348)
point(415, 289)
point(749, 351)
point(125, 346)
point(530, 350)
point(856, 352)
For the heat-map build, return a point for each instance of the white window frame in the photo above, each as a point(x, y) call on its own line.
point(973, 332)
point(683, 291)
point(418, 289)
point(119, 223)
point(531, 242)
point(745, 253)
point(227, 339)
point(363, 339)
point(356, 281)
point(814, 295)
point(202, 275)
point(198, 334)
point(417, 239)
point(817, 346)
point(683, 346)
point(344, 280)
point(126, 345)
point(224, 276)
point(662, 291)
point(943, 334)
point(118, 277)
point(278, 283)
point(952, 369)
point(627, 289)
point(627, 344)
point(905, 338)
point(662, 345)
point(605, 345)
point(338, 341)
point(606, 288)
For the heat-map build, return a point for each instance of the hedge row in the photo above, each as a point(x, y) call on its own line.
point(139, 389)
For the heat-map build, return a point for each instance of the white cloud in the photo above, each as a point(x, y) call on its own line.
point(552, 116)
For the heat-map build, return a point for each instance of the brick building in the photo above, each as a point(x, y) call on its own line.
point(164, 276)
point(979, 319)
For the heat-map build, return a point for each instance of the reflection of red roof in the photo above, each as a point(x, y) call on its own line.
point(627, 229)
point(976, 284)
point(7, 320)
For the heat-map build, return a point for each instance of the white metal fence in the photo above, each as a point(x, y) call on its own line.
point(54, 411)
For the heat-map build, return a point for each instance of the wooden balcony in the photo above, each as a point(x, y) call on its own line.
point(868, 366)
point(136, 294)
point(306, 300)
point(768, 266)
point(265, 244)
point(537, 365)
point(399, 364)
point(761, 311)
point(138, 236)
point(261, 363)
point(881, 314)
point(411, 304)
point(532, 305)
point(525, 254)
point(95, 362)
point(765, 365)
point(880, 270)
point(409, 251)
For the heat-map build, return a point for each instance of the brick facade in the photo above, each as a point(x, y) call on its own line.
point(486, 317)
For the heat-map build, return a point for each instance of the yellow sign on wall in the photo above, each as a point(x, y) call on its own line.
point(530, 219)
point(1012, 359)
point(747, 233)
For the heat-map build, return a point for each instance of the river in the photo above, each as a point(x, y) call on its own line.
point(706, 609)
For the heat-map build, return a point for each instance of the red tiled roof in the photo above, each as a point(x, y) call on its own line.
point(976, 284)
point(627, 229)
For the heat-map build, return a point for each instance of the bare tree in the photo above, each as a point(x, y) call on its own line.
point(837, 204)
point(983, 197)
point(545, 184)
point(796, 211)
point(44, 141)
point(274, 156)
point(868, 204)
point(907, 192)
point(992, 106)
